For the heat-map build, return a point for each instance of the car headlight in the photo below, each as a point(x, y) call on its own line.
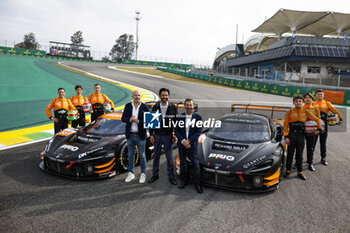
point(278, 151)
point(202, 138)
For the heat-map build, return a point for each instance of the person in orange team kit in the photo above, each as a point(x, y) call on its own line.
point(97, 100)
point(310, 139)
point(325, 107)
point(60, 107)
point(294, 126)
point(78, 100)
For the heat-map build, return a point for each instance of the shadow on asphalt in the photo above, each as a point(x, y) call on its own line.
point(49, 193)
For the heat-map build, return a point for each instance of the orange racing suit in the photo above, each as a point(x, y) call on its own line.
point(60, 107)
point(97, 101)
point(78, 102)
point(325, 107)
point(294, 130)
point(311, 140)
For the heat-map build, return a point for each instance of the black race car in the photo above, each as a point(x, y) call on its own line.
point(96, 151)
point(246, 153)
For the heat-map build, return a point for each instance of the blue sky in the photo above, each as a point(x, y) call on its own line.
point(180, 31)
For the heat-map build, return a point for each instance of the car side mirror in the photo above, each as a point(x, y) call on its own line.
point(278, 132)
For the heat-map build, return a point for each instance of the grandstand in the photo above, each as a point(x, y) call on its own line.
point(69, 50)
point(294, 46)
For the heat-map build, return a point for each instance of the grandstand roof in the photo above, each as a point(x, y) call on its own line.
point(306, 22)
point(259, 42)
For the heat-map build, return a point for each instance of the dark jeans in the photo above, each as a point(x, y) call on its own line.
point(192, 155)
point(323, 141)
point(167, 142)
point(297, 143)
point(134, 140)
point(310, 148)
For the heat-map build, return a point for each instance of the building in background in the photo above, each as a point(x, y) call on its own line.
point(298, 46)
point(69, 50)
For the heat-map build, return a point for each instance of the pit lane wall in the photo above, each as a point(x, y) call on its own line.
point(335, 97)
point(42, 54)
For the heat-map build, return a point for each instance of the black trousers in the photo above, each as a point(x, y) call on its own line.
point(310, 147)
point(96, 114)
point(297, 143)
point(61, 124)
point(323, 141)
point(192, 155)
point(80, 121)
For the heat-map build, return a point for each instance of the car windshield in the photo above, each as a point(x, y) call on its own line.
point(104, 126)
point(241, 130)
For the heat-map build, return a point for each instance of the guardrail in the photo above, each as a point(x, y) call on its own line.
point(335, 95)
point(42, 54)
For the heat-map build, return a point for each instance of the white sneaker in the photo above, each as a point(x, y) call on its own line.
point(129, 177)
point(142, 178)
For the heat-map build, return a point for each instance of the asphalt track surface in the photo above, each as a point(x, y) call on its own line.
point(33, 201)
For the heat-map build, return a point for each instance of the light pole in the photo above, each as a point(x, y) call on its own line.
point(137, 31)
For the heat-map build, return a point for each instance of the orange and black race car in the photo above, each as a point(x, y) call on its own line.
point(96, 151)
point(247, 153)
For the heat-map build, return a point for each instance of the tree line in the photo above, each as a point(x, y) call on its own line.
point(123, 49)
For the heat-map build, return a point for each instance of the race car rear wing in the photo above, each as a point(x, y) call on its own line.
point(254, 107)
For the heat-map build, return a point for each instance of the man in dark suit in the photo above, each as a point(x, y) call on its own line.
point(135, 134)
point(187, 134)
point(164, 136)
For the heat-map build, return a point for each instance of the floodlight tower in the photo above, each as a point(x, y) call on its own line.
point(137, 31)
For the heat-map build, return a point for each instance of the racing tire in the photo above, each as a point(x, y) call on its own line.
point(123, 158)
point(149, 150)
point(283, 165)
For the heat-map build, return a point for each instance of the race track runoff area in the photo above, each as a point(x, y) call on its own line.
point(27, 84)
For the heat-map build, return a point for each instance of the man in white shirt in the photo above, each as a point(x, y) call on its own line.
point(163, 138)
point(187, 133)
point(135, 134)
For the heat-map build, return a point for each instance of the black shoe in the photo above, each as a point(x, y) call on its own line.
point(153, 178)
point(182, 185)
point(286, 175)
point(172, 181)
point(324, 162)
point(199, 189)
point(311, 167)
point(301, 176)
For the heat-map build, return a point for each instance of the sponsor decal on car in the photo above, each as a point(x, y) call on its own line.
point(221, 156)
point(66, 132)
point(85, 139)
point(254, 162)
point(244, 120)
point(69, 147)
point(89, 152)
point(229, 147)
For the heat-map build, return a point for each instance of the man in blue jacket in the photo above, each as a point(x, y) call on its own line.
point(163, 137)
point(135, 134)
point(187, 134)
